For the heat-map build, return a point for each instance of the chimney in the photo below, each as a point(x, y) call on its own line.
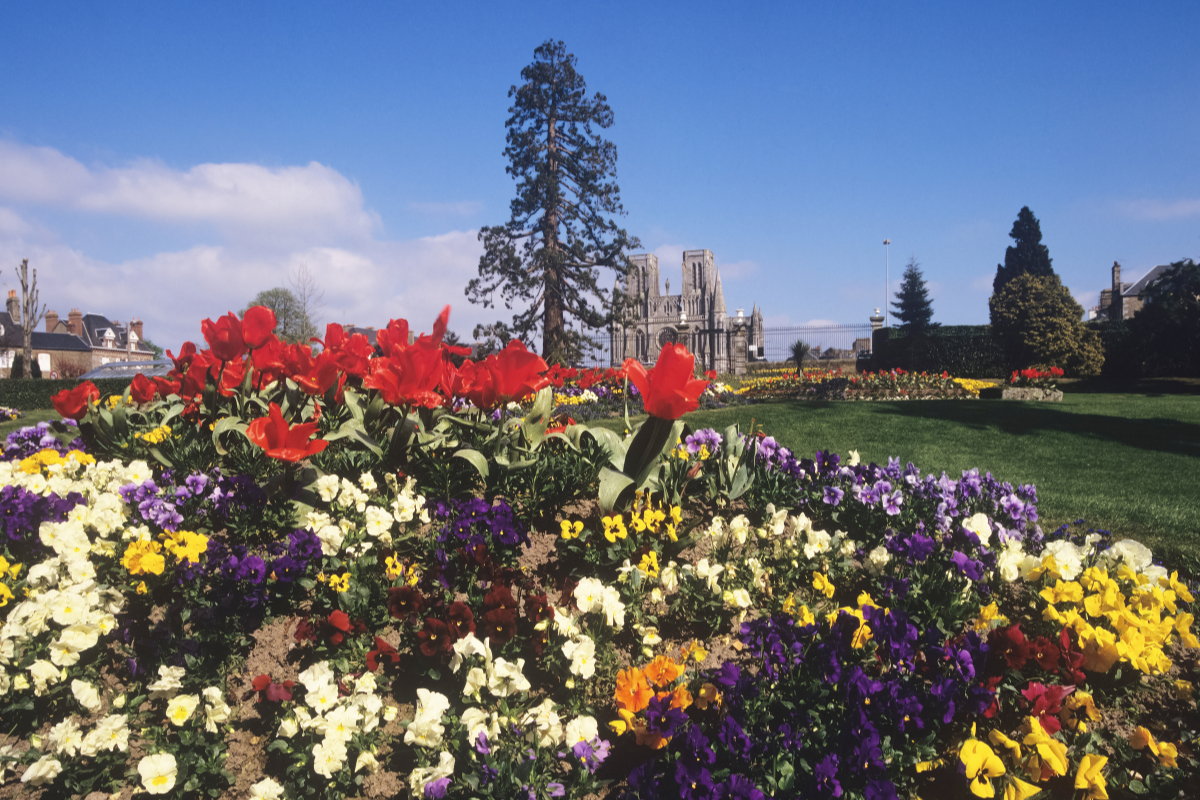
point(51, 321)
point(1116, 310)
point(14, 307)
point(75, 322)
point(136, 327)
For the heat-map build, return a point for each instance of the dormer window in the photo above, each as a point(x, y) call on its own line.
point(109, 337)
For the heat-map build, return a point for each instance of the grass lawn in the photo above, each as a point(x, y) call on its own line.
point(1127, 463)
point(30, 418)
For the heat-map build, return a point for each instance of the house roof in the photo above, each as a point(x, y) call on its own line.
point(96, 326)
point(59, 341)
point(1144, 282)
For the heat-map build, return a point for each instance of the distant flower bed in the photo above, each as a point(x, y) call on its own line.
point(821, 384)
point(7, 414)
point(359, 574)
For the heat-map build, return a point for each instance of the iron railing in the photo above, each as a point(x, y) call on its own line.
point(776, 344)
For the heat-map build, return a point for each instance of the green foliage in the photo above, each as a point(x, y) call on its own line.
point(965, 351)
point(292, 321)
point(1028, 256)
point(546, 259)
point(32, 395)
point(799, 351)
point(1037, 321)
point(35, 369)
point(1165, 333)
point(158, 351)
point(17, 370)
point(913, 307)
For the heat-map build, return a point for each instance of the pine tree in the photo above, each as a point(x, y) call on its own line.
point(914, 309)
point(1028, 256)
point(546, 259)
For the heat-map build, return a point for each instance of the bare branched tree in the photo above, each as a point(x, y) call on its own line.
point(31, 314)
point(308, 293)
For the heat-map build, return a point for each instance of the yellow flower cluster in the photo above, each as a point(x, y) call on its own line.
point(156, 436)
point(863, 634)
point(38, 462)
point(1139, 624)
point(642, 519)
point(12, 571)
point(571, 530)
point(973, 386)
point(115, 400)
point(144, 557)
point(396, 569)
point(185, 545)
point(338, 583)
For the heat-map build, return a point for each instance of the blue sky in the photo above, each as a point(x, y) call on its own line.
point(169, 161)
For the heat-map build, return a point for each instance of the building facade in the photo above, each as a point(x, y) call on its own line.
point(695, 317)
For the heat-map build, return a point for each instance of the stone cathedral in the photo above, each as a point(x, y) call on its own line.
point(710, 333)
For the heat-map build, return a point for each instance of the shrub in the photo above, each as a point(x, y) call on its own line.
point(1037, 321)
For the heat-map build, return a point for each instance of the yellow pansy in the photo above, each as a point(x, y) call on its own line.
point(1050, 756)
point(982, 764)
point(571, 530)
point(144, 557)
point(614, 528)
point(1089, 778)
point(1063, 592)
point(822, 584)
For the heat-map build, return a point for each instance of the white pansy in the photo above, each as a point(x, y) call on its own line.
point(877, 559)
point(266, 789)
point(476, 680)
point(466, 647)
point(589, 595)
point(980, 526)
point(65, 737)
point(582, 654)
point(581, 729)
point(1135, 554)
point(379, 522)
point(86, 695)
point(329, 756)
point(181, 707)
point(422, 776)
point(739, 528)
point(168, 683)
point(816, 543)
point(42, 771)
point(316, 675)
point(327, 487)
point(1067, 555)
point(547, 729)
point(507, 678)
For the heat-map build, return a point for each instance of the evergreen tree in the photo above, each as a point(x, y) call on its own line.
point(1166, 331)
point(913, 307)
point(1028, 256)
point(1038, 323)
point(546, 259)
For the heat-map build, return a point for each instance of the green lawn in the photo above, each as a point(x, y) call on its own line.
point(30, 418)
point(1128, 463)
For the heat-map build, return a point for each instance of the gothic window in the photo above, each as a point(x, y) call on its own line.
point(667, 336)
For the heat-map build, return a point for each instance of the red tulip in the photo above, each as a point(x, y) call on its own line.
point(184, 359)
point(258, 326)
point(73, 403)
point(668, 391)
point(284, 442)
point(224, 337)
point(142, 389)
point(516, 372)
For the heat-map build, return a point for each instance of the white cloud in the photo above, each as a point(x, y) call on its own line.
point(1087, 299)
point(1162, 209)
point(738, 270)
point(246, 201)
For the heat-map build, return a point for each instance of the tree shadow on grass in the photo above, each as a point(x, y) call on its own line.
point(1021, 419)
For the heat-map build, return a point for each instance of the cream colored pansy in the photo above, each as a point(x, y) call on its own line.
point(980, 526)
point(181, 707)
point(158, 772)
point(546, 728)
point(582, 655)
point(86, 695)
point(507, 678)
point(422, 776)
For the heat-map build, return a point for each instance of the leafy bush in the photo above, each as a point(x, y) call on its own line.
point(1036, 321)
point(33, 395)
point(1165, 333)
point(957, 349)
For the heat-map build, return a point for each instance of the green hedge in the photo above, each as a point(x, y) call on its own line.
point(30, 395)
point(966, 351)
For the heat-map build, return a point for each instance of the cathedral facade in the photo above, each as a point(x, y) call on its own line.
point(695, 317)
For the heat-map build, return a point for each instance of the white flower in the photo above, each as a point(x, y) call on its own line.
point(739, 528)
point(817, 542)
point(168, 683)
point(367, 482)
point(668, 577)
point(366, 763)
point(476, 720)
point(329, 756)
point(582, 654)
point(476, 680)
point(877, 559)
point(288, 727)
point(331, 537)
point(322, 697)
point(507, 678)
point(342, 722)
point(1135, 554)
point(65, 737)
point(1068, 556)
point(158, 772)
point(44, 674)
point(424, 732)
point(776, 521)
point(431, 705)
point(420, 777)
point(547, 729)
point(468, 646)
point(613, 608)
point(86, 695)
point(266, 789)
point(113, 733)
point(379, 522)
point(738, 598)
point(581, 729)
point(1009, 560)
point(589, 595)
point(42, 771)
point(327, 487)
point(181, 707)
point(709, 574)
point(980, 526)
point(854, 458)
point(217, 711)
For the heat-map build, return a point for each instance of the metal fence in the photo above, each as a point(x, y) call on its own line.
point(777, 342)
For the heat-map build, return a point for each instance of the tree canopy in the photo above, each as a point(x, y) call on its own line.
point(292, 321)
point(545, 261)
point(1027, 255)
point(1166, 331)
point(1038, 323)
point(913, 307)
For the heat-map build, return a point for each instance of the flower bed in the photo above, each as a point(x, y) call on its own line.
point(273, 574)
point(819, 384)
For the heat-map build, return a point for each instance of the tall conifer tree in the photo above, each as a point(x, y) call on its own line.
point(546, 259)
point(1027, 255)
point(913, 307)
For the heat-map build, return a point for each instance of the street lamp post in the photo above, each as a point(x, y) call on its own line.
point(886, 278)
